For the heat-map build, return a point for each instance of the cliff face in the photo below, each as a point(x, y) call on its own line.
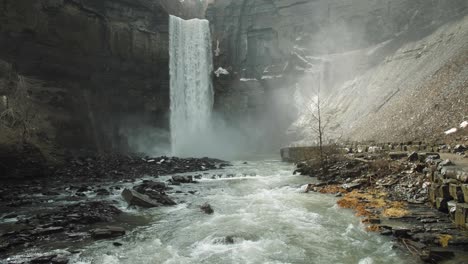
point(282, 46)
point(415, 94)
point(100, 68)
point(257, 33)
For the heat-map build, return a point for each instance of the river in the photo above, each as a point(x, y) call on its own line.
point(261, 216)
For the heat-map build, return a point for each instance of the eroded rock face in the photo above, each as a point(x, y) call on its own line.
point(99, 64)
point(253, 34)
point(353, 47)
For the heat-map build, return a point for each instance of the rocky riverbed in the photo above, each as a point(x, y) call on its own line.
point(78, 203)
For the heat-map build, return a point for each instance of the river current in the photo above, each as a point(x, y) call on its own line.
point(261, 215)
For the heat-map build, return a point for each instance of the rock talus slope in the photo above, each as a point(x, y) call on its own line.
point(391, 70)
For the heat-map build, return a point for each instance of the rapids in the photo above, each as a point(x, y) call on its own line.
point(261, 215)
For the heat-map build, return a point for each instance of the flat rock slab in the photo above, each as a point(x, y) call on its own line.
point(107, 232)
point(135, 198)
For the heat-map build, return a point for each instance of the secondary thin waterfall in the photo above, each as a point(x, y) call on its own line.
point(191, 87)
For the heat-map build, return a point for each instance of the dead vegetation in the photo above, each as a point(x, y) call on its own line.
point(24, 120)
point(444, 240)
point(332, 189)
point(19, 113)
point(371, 205)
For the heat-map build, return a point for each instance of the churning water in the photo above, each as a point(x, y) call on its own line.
point(191, 88)
point(261, 216)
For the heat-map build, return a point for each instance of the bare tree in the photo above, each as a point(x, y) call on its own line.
point(317, 117)
point(19, 112)
point(319, 121)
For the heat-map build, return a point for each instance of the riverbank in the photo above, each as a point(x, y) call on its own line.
point(391, 192)
point(80, 202)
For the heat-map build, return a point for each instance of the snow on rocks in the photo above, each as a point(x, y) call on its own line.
point(450, 131)
point(221, 71)
point(464, 124)
point(248, 79)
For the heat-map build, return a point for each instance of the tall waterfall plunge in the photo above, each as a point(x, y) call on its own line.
point(191, 88)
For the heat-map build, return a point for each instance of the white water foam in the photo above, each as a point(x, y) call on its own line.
point(266, 218)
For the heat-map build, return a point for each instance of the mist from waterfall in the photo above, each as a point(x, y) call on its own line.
point(191, 88)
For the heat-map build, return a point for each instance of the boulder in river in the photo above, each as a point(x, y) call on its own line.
point(102, 192)
point(160, 197)
point(155, 191)
point(107, 232)
point(182, 179)
point(135, 198)
point(150, 185)
point(207, 208)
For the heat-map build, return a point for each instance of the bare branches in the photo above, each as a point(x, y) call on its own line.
point(20, 113)
point(318, 117)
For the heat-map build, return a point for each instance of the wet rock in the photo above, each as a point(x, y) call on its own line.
point(207, 209)
point(48, 231)
point(9, 216)
point(75, 235)
point(117, 244)
point(155, 191)
point(160, 197)
point(416, 245)
point(4, 246)
point(182, 179)
point(401, 232)
point(43, 259)
point(413, 157)
point(50, 193)
point(81, 176)
point(83, 189)
point(386, 232)
point(229, 240)
point(437, 255)
point(135, 198)
point(102, 192)
point(107, 232)
point(60, 260)
point(150, 185)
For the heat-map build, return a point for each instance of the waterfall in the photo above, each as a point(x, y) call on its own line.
point(191, 89)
